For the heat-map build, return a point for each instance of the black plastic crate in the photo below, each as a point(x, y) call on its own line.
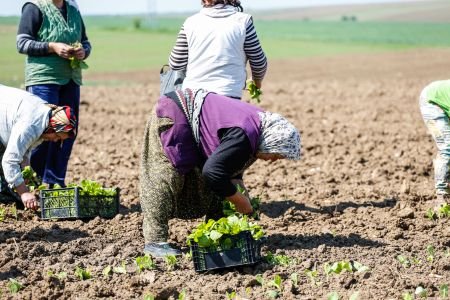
point(70, 203)
point(245, 251)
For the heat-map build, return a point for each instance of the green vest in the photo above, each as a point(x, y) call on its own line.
point(438, 92)
point(53, 69)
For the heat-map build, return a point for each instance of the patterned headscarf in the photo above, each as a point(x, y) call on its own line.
point(62, 119)
point(278, 136)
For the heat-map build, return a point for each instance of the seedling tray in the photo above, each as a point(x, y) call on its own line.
point(246, 251)
point(71, 203)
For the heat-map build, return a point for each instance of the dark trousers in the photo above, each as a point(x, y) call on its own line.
point(49, 160)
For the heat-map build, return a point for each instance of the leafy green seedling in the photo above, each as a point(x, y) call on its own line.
point(107, 271)
point(259, 278)
point(338, 267)
point(59, 276)
point(83, 274)
point(333, 296)
point(14, 286)
point(255, 92)
point(294, 279)
point(431, 252)
point(313, 276)
point(143, 263)
point(282, 260)
point(407, 296)
point(182, 295)
point(403, 260)
point(359, 267)
point(276, 282)
point(2, 214)
point(444, 211)
point(13, 211)
point(431, 214)
point(122, 269)
point(171, 261)
point(421, 292)
point(443, 291)
point(416, 261)
point(354, 296)
point(231, 295)
point(447, 252)
point(273, 294)
point(149, 297)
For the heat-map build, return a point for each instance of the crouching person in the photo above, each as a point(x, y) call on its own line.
point(25, 122)
point(195, 149)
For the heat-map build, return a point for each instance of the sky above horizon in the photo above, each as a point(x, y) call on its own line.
point(95, 7)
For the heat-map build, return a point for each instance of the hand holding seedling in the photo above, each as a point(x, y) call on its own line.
point(61, 49)
point(241, 203)
point(254, 89)
point(78, 51)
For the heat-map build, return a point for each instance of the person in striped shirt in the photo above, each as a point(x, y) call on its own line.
point(214, 45)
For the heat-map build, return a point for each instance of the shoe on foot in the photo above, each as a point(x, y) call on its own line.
point(160, 250)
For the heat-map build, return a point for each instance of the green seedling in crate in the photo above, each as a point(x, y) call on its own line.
point(83, 274)
point(214, 234)
point(14, 286)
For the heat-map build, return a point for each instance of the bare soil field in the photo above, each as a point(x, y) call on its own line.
point(359, 193)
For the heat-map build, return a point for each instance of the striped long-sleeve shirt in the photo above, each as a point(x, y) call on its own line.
point(214, 46)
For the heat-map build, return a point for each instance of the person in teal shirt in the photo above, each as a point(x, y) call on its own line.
point(52, 34)
point(435, 109)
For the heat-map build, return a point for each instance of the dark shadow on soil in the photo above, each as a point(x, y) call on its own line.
point(53, 235)
point(12, 273)
point(276, 209)
point(291, 242)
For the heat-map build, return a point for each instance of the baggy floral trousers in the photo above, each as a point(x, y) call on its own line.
point(165, 193)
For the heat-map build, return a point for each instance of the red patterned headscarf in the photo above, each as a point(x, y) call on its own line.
point(62, 119)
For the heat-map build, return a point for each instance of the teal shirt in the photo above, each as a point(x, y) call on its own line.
point(438, 92)
point(53, 69)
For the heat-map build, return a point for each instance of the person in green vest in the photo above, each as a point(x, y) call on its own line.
point(53, 36)
point(435, 109)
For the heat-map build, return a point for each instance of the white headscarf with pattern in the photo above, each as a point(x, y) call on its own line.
point(279, 136)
